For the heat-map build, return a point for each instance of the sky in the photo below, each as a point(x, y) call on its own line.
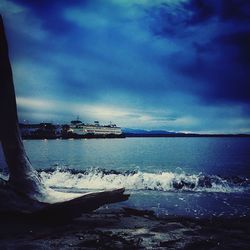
point(176, 65)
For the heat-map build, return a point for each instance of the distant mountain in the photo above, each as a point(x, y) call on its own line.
point(129, 132)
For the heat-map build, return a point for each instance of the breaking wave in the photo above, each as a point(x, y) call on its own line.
point(96, 179)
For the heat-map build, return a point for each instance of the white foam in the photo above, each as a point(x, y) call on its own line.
point(50, 195)
point(96, 180)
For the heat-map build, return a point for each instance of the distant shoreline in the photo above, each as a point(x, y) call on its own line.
point(74, 136)
point(130, 135)
point(185, 135)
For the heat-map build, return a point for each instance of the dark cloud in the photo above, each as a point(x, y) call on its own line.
point(235, 10)
point(51, 13)
point(163, 21)
point(240, 41)
point(202, 10)
point(216, 47)
point(221, 78)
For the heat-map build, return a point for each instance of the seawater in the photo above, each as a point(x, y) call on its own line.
point(198, 177)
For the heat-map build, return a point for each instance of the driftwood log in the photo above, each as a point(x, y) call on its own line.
point(24, 192)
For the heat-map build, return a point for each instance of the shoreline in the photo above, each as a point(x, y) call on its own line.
point(124, 136)
point(126, 228)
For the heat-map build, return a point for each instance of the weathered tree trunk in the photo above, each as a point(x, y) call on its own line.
point(24, 191)
point(22, 175)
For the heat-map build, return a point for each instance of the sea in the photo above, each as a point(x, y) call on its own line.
point(193, 177)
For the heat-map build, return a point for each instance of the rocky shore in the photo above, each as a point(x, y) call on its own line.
point(125, 228)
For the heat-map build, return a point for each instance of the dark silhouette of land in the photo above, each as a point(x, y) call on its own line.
point(183, 135)
point(51, 131)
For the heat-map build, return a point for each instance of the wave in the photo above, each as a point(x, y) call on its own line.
point(97, 179)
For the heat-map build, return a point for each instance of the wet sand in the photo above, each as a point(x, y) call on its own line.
point(125, 229)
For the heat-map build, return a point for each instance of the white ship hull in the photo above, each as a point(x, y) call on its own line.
point(95, 130)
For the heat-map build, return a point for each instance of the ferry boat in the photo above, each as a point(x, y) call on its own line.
point(80, 128)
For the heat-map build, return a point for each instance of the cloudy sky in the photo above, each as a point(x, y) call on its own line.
point(177, 65)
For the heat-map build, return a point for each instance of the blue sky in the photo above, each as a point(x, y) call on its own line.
point(177, 65)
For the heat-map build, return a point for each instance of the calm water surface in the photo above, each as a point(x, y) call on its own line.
point(223, 156)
